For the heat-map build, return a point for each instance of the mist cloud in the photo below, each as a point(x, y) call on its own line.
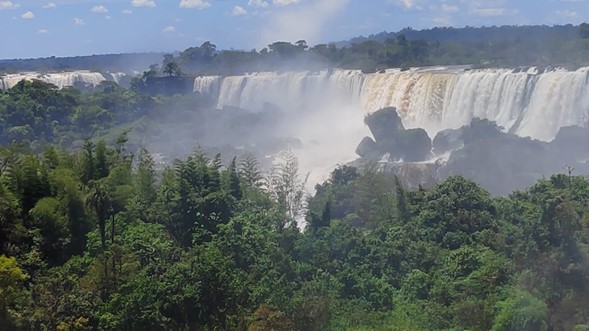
point(301, 22)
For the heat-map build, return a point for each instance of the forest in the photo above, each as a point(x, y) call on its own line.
point(96, 234)
point(97, 239)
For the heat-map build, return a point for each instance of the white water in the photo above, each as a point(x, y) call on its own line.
point(60, 79)
point(527, 103)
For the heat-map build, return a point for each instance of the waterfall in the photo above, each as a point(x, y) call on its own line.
point(532, 102)
point(60, 79)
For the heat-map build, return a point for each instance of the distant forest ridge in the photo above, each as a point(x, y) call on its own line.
point(495, 46)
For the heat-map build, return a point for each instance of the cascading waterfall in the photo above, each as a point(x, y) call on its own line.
point(533, 102)
point(60, 79)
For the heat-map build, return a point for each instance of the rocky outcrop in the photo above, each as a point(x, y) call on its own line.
point(391, 137)
point(500, 162)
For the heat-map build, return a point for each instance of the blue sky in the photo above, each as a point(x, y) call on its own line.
point(39, 28)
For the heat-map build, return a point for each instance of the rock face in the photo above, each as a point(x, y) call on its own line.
point(447, 141)
point(498, 161)
point(392, 138)
point(367, 148)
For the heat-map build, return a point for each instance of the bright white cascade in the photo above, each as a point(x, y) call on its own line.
point(60, 79)
point(527, 102)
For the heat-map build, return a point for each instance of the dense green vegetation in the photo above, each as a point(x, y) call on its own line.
point(37, 112)
point(95, 239)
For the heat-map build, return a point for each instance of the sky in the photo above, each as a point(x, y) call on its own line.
point(42, 28)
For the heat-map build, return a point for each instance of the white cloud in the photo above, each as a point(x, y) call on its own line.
point(442, 21)
point(284, 2)
point(28, 15)
point(567, 14)
point(493, 12)
point(450, 9)
point(306, 21)
point(127, 12)
point(50, 5)
point(169, 29)
point(79, 21)
point(108, 17)
point(410, 4)
point(43, 31)
point(199, 4)
point(238, 11)
point(99, 9)
point(257, 3)
point(8, 5)
point(143, 3)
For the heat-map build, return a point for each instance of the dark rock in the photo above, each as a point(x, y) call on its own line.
point(391, 138)
point(411, 146)
point(384, 123)
point(367, 148)
point(447, 141)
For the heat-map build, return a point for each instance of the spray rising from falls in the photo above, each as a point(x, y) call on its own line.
point(531, 102)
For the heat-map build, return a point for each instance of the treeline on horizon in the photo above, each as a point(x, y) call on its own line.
point(503, 46)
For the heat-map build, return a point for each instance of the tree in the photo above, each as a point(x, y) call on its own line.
point(231, 181)
point(11, 277)
point(145, 177)
point(249, 170)
point(172, 69)
point(286, 187)
point(101, 202)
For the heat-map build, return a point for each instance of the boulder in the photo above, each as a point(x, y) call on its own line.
point(447, 141)
point(384, 123)
point(367, 148)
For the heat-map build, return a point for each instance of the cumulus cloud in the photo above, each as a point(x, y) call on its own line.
point(442, 21)
point(302, 22)
point(99, 9)
point(43, 31)
point(127, 12)
point(284, 2)
point(199, 4)
point(450, 9)
point(169, 29)
point(567, 13)
point(28, 15)
point(8, 5)
point(257, 3)
point(49, 5)
point(493, 12)
point(238, 11)
point(143, 3)
point(79, 21)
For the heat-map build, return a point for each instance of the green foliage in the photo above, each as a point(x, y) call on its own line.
point(521, 311)
point(105, 241)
